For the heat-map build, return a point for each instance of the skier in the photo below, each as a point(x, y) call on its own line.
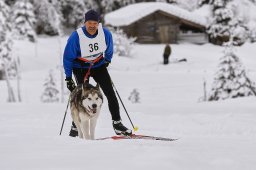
point(89, 49)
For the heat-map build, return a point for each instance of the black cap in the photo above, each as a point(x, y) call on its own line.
point(91, 15)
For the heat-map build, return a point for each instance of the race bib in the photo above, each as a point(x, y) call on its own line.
point(91, 48)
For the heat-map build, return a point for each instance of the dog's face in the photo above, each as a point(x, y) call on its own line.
point(92, 98)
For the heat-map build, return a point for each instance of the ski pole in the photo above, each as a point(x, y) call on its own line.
point(64, 116)
point(135, 128)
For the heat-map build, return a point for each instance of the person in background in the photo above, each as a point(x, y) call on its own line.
point(89, 49)
point(167, 53)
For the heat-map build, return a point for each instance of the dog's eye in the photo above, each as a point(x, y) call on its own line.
point(89, 98)
point(97, 98)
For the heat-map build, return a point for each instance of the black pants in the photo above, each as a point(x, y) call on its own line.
point(101, 76)
point(166, 59)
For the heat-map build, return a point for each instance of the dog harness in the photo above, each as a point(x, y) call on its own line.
point(91, 64)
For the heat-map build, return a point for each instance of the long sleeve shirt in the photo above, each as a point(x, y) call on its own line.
point(72, 51)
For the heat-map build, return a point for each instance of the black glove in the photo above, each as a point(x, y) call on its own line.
point(107, 63)
point(70, 84)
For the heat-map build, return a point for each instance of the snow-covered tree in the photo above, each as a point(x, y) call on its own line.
point(111, 5)
point(95, 5)
point(10, 2)
point(231, 80)
point(203, 2)
point(6, 59)
point(73, 12)
point(238, 32)
point(225, 23)
point(168, 1)
point(123, 45)
point(134, 96)
point(24, 20)
point(252, 31)
point(51, 92)
point(46, 17)
point(252, 35)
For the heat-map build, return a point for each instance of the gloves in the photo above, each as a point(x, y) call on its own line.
point(70, 84)
point(107, 63)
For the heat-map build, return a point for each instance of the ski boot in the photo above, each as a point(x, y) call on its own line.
point(73, 131)
point(120, 129)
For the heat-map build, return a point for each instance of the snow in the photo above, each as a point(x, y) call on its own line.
point(204, 11)
point(212, 135)
point(132, 13)
point(246, 10)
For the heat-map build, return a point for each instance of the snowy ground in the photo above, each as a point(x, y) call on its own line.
point(212, 135)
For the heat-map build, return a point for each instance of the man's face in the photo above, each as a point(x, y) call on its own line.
point(91, 27)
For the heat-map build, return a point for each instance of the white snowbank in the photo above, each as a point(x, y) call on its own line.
point(212, 135)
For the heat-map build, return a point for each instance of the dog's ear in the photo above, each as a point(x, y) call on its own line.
point(97, 86)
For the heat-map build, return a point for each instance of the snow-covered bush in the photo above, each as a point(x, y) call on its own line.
point(51, 92)
point(123, 45)
point(134, 96)
point(231, 80)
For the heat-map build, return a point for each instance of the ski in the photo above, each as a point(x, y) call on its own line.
point(134, 136)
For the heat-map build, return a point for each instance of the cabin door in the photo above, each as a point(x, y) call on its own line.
point(167, 34)
point(164, 34)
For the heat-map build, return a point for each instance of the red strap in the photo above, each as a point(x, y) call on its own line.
point(88, 72)
point(91, 64)
point(91, 61)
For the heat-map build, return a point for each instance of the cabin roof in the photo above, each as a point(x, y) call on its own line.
point(134, 12)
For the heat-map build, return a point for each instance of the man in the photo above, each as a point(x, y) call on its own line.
point(89, 50)
point(167, 52)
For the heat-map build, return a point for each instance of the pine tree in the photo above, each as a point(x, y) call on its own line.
point(111, 5)
point(51, 92)
point(46, 17)
point(6, 48)
point(24, 20)
point(168, 1)
point(10, 2)
point(72, 12)
point(219, 29)
point(203, 2)
point(252, 34)
point(225, 23)
point(231, 80)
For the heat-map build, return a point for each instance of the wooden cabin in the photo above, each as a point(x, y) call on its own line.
point(158, 23)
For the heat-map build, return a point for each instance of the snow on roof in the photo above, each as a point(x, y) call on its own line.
point(131, 13)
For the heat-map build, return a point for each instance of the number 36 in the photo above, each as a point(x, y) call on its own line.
point(93, 47)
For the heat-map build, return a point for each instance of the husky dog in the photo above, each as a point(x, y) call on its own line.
point(85, 105)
